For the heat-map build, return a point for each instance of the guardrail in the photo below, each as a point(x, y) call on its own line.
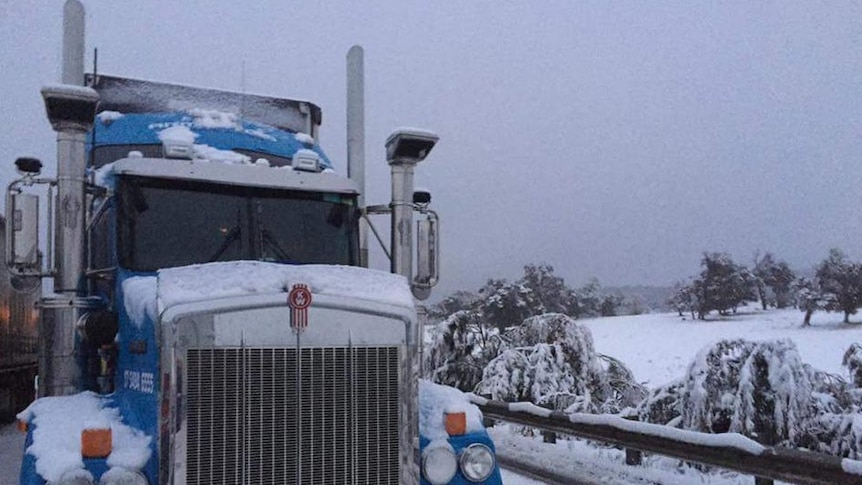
point(730, 450)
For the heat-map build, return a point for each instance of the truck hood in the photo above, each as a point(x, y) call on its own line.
point(150, 296)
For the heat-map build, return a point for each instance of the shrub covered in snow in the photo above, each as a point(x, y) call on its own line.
point(458, 351)
point(764, 391)
point(853, 362)
point(774, 394)
point(550, 361)
point(759, 389)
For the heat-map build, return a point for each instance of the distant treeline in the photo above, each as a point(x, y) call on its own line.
point(723, 286)
point(500, 303)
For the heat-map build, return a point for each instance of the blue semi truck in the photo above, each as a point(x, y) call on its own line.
point(213, 319)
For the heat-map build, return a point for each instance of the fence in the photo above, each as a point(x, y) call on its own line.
point(731, 451)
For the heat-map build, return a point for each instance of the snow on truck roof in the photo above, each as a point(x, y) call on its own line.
point(126, 95)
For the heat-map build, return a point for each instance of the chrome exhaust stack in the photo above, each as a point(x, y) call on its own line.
point(71, 109)
point(356, 137)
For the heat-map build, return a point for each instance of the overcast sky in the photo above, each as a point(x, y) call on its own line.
point(616, 140)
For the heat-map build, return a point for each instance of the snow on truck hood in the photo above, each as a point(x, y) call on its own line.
point(150, 295)
point(435, 400)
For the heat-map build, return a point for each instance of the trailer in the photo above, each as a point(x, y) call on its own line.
point(19, 319)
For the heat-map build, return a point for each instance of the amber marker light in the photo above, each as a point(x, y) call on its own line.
point(96, 443)
point(456, 423)
point(22, 426)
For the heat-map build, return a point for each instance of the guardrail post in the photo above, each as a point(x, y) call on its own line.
point(634, 457)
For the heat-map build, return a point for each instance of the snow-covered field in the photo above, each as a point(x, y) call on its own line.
point(657, 348)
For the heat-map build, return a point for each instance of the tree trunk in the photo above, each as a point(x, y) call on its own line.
point(807, 321)
point(846, 317)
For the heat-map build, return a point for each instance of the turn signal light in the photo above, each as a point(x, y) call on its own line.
point(96, 443)
point(22, 426)
point(456, 423)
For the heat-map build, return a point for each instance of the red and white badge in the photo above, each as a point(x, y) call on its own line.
point(299, 300)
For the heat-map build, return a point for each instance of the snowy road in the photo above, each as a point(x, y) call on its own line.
point(11, 444)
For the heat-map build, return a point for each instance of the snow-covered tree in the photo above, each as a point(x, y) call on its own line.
point(458, 351)
point(842, 279)
point(710, 385)
point(683, 299)
point(503, 304)
point(551, 362)
point(852, 361)
point(548, 292)
point(610, 305)
point(456, 302)
point(589, 300)
point(774, 394)
point(773, 280)
point(836, 427)
point(726, 285)
point(759, 389)
point(810, 298)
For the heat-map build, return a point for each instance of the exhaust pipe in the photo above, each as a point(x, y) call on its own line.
point(356, 137)
point(71, 108)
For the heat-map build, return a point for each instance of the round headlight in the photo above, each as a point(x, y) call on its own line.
point(123, 476)
point(477, 462)
point(439, 465)
point(74, 477)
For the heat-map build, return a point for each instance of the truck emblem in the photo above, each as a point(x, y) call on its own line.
point(299, 300)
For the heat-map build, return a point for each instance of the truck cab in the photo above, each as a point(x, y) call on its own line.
point(213, 318)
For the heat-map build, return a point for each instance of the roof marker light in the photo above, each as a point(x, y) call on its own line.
point(306, 161)
point(179, 149)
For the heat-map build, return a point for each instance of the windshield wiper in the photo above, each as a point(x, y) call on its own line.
point(270, 242)
point(232, 237)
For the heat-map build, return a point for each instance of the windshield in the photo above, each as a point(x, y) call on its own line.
point(166, 223)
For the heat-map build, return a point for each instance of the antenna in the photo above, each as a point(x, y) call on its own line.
point(93, 83)
point(242, 90)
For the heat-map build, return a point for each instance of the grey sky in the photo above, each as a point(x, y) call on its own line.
point(610, 139)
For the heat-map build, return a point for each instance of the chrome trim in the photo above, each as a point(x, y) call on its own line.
point(191, 334)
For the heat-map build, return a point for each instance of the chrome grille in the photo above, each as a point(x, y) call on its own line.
point(282, 416)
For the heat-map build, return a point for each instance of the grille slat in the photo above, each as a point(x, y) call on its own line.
point(283, 416)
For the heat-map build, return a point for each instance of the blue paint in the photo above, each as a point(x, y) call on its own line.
point(143, 129)
point(137, 380)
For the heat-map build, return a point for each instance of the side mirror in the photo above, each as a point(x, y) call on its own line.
point(427, 256)
point(22, 234)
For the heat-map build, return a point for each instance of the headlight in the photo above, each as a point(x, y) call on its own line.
point(123, 476)
point(75, 477)
point(477, 462)
point(439, 465)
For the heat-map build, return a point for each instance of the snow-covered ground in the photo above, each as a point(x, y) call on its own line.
point(659, 347)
